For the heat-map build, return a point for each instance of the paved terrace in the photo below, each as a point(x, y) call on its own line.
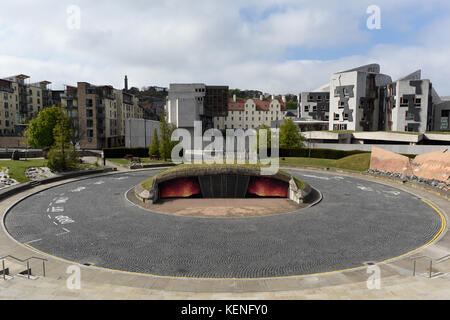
point(397, 280)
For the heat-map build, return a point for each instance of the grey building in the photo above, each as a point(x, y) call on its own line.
point(187, 103)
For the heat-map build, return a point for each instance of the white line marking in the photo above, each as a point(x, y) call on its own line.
point(49, 216)
point(55, 223)
point(50, 204)
point(78, 189)
point(99, 182)
point(61, 200)
point(48, 209)
point(33, 241)
point(62, 233)
point(57, 209)
point(311, 176)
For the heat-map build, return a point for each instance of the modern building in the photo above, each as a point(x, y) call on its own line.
point(410, 104)
point(251, 113)
point(315, 105)
point(187, 103)
point(356, 98)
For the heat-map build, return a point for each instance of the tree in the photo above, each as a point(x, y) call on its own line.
point(290, 137)
point(62, 155)
point(269, 136)
point(164, 143)
point(291, 105)
point(40, 132)
point(154, 147)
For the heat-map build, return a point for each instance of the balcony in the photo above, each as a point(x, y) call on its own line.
point(68, 96)
point(100, 125)
point(100, 106)
point(100, 116)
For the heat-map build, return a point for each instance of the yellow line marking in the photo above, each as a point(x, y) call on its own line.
point(440, 232)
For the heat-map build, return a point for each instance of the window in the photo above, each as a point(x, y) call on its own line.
point(89, 113)
point(90, 133)
point(418, 102)
point(5, 95)
point(7, 123)
point(306, 108)
point(336, 116)
point(345, 116)
point(6, 105)
point(346, 93)
point(89, 123)
point(314, 108)
point(403, 102)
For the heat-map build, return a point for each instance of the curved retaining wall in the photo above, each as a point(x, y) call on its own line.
point(232, 173)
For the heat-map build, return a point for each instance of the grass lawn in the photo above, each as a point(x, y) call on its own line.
point(147, 184)
point(17, 168)
point(143, 160)
point(358, 162)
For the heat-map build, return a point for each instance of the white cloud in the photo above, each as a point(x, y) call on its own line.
point(211, 41)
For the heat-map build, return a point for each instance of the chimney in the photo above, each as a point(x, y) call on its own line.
point(234, 98)
point(273, 98)
point(126, 83)
point(261, 97)
point(283, 98)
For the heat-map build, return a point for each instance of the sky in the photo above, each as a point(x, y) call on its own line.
point(276, 46)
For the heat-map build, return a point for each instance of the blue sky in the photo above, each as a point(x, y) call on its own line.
point(277, 46)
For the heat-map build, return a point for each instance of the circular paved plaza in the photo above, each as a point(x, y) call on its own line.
point(91, 222)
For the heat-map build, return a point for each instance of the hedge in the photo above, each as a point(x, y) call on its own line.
point(118, 153)
point(318, 153)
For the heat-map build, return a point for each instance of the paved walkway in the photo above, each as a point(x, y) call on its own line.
point(396, 278)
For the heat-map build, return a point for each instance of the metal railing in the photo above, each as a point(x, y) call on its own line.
point(436, 261)
point(22, 261)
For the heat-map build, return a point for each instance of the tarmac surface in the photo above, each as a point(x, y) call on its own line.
point(91, 222)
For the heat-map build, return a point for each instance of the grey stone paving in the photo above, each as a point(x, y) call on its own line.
point(357, 221)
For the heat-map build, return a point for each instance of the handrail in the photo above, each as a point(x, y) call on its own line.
point(442, 259)
point(22, 261)
point(421, 257)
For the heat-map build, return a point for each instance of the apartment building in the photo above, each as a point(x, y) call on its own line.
point(23, 102)
point(187, 103)
point(9, 107)
point(356, 98)
point(251, 113)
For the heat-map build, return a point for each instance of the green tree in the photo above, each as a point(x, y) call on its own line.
point(154, 147)
point(291, 105)
point(290, 137)
point(62, 155)
point(269, 136)
point(164, 143)
point(40, 132)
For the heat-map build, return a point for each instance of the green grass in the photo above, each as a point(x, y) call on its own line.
point(147, 184)
point(358, 162)
point(122, 161)
point(17, 168)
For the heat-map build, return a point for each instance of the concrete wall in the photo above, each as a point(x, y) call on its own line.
point(403, 149)
point(139, 132)
point(12, 142)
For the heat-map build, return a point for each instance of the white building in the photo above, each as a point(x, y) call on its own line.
point(355, 99)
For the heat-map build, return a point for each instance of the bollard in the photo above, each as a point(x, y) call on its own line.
point(43, 267)
point(414, 271)
point(28, 269)
point(4, 271)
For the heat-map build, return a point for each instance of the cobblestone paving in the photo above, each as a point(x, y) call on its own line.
point(91, 222)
